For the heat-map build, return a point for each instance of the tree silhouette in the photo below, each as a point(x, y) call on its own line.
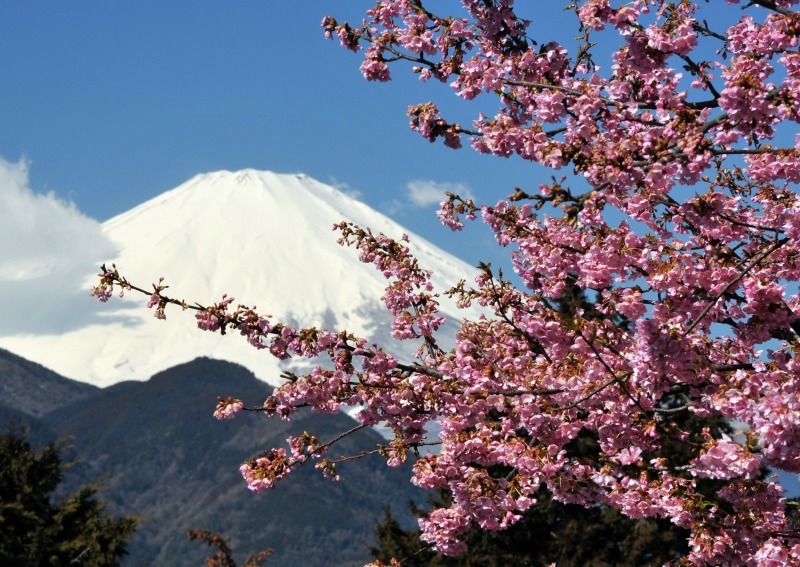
point(224, 555)
point(35, 530)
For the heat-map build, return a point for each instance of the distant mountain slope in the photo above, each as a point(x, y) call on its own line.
point(34, 390)
point(178, 466)
point(262, 237)
point(39, 434)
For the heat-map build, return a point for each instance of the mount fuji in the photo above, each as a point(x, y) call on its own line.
point(262, 237)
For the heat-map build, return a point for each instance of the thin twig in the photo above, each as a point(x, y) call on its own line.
point(735, 281)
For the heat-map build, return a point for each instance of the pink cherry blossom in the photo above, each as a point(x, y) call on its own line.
point(228, 408)
point(675, 214)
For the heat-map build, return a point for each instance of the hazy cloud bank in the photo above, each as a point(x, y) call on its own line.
point(48, 251)
point(423, 192)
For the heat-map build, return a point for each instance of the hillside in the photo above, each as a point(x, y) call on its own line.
point(176, 465)
point(34, 390)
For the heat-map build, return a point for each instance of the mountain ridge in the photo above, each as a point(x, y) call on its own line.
point(166, 458)
point(35, 389)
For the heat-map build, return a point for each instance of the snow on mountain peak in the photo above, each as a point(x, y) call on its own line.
point(264, 238)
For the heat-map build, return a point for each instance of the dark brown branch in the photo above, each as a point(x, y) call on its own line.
point(770, 5)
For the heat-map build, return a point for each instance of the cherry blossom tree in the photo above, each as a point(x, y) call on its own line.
point(675, 205)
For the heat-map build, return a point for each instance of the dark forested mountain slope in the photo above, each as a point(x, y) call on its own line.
point(34, 390)
point(173, 463)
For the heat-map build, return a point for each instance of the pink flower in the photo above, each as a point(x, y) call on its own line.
point(725, 459)
point(228, 408)
point(263, 472)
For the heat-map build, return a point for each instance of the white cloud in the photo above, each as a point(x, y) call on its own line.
point(48, 252)
point(345, 188)
point(423, 193)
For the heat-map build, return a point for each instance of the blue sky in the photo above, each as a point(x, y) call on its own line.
point(113, 103)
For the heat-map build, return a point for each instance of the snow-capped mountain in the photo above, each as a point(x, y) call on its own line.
point(261, 237)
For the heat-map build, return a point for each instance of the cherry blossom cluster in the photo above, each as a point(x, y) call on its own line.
point(677, 215)
point(228, 408)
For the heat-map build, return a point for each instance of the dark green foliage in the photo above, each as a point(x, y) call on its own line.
point(566, 534)
point(35, 530)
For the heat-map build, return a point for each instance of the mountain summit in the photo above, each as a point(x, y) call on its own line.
point(262, 237)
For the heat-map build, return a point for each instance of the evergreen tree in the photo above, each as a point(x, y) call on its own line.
point(35, 530)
